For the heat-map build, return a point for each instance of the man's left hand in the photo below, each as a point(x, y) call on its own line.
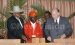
point(63, 36)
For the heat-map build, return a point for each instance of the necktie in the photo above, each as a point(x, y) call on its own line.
point(56, 26)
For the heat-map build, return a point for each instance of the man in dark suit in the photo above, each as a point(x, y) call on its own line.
point(47, 15)
point(15, 25)
point(57, 26)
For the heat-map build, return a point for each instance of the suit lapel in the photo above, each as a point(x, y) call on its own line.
point(21, 21)
point(31, 28)
point(52, 20)
point(36, 25)
point(60, 20)
point(16, 21)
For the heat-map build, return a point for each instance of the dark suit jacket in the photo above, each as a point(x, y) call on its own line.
point(64, 28)
point(43, 27)
point(15, 31)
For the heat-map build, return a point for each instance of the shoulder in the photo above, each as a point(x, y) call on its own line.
point(10, 19)
point(49, 20)
point(64, 18)
point(38, 24)
point(27, 23)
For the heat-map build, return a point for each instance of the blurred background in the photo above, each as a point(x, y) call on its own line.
point(66, 7)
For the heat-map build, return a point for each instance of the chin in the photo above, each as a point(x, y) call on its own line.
point(18, 16)
point(54, 17)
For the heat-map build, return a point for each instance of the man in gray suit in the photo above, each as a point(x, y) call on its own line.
point(57, 26)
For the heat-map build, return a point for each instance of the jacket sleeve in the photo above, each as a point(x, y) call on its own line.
point(46, 29)
point(11, 29)
point(14, 29)
point(26, 30)
point(41, 32)
point(68, 30)
point(10, 26)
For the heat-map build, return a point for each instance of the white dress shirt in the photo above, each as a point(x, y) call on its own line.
point(58, 19)
point(33, 26)
point(19, 21)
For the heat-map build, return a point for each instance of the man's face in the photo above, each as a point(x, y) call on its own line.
point(55, 14)
point(17, 14)
point(33, 19)
point(46, 16)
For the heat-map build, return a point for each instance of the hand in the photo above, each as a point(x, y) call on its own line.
point(5, 34)
point(5, 37)
point(24, 38)
point(63, 36)
point(49, 38)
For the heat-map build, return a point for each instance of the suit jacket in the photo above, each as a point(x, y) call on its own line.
point(28, 30)
point(15, 31)
point(64, 27)
point(43, 27)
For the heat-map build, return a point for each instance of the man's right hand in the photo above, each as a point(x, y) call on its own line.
point(49, 38)
point(24, 38)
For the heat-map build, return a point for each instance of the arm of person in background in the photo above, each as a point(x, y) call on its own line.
point(5, 34)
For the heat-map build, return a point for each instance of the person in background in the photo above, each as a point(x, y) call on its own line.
point(32, 28)
point(57, 26)
point(47, 15)
point(15, 25)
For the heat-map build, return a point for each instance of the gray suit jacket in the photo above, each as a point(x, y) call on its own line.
point(64, 27)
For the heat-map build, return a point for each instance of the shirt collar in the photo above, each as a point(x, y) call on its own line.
point(32, 23)
point(17, 18)
point(57, 20)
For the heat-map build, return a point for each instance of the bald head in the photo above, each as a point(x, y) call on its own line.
point(55, 13)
